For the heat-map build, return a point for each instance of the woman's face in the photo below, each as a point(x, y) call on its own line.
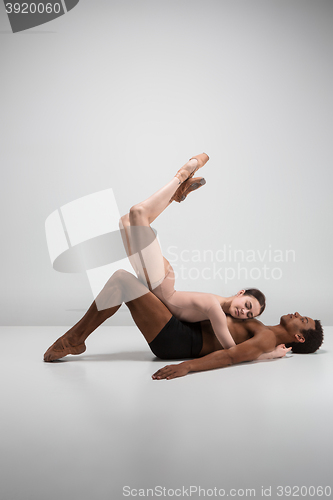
point(244, 306)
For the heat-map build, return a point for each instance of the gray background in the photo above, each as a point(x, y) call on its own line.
point(120, 94)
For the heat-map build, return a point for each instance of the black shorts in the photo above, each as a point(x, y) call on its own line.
point(178, 340)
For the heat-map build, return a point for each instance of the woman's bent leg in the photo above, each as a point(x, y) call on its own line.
point(139, 239)
point(143, 248)
point(159, 201)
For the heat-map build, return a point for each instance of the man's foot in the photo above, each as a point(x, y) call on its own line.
point(191, 167)
point(61, 348)
point(186, 187)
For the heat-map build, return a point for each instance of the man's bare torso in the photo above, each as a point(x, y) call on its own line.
point(240, 332)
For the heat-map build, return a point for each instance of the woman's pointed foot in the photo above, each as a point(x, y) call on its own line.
point(188, 170)
point(186, 187)
point(201, 159)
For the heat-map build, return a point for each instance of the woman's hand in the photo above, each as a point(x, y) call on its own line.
point(279, 351)
point(172, 371)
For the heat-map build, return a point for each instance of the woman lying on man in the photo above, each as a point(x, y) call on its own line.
point(171, 321)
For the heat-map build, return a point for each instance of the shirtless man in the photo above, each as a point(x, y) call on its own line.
point(253, 339)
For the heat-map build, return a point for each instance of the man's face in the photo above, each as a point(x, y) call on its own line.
point(293, 323)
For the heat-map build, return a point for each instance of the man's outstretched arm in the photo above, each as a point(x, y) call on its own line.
point(247, 351)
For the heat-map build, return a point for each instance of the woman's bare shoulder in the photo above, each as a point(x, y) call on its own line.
point(219, 298)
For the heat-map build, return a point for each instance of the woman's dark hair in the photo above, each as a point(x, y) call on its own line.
point(313, 340)
point(257, 294)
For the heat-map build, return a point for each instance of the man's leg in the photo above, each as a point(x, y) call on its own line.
point(148, 312)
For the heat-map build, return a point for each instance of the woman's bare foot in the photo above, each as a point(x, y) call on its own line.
point(62, 347)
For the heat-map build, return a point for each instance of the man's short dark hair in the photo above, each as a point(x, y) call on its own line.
point(313, 340)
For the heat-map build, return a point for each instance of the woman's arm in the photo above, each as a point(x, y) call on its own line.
point(218, 320)
point(279, 351)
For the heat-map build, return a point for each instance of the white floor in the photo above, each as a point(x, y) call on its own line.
point(87, 426)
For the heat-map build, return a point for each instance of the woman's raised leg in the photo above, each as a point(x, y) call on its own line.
point(139, 239)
